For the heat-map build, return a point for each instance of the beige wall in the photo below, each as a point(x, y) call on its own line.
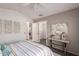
point(72, 19)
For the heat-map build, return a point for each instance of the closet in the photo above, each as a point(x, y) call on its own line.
point(43, 32)
point(37, 31)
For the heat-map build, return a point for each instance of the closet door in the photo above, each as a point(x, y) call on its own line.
point(35, 30)
point(43, 30)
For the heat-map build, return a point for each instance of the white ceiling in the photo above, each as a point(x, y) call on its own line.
point(45, 9)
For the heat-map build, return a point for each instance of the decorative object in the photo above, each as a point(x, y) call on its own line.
point(6, 50)
point(52, 36)
point(63, 36)
point(8, 26)
point(16, 27)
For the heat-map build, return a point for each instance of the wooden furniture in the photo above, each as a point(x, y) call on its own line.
point(64, 44)
point(43, 41)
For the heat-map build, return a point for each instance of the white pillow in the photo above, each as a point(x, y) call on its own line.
point(7, 38)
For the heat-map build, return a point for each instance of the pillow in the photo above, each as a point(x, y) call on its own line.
point(2, 47)
point(6, 50)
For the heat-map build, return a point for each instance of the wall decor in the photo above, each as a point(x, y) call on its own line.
point(60, 31)
point(59, 28)
point(8, 26)
point(16, 27)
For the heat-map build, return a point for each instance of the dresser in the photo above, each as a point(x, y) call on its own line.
point(57, 44)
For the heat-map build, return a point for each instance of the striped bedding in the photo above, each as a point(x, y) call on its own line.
point(29, 48)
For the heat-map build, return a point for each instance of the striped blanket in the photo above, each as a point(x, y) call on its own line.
point(29, 48)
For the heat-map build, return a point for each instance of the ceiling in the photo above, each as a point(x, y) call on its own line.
point(39, 10)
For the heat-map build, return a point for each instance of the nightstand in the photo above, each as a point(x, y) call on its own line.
point(43, 41)
point(64, 44)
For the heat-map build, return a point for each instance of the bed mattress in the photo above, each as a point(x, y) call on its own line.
point(29, 48)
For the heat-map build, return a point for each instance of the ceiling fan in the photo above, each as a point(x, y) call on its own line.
point(35, 6)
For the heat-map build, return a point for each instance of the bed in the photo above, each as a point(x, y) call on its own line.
point(29, 48)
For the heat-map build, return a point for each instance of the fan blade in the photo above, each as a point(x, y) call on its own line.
point(25, 4)
point(45, 5)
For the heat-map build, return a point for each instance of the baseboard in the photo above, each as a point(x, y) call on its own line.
point(73, 53)
point(61, 51)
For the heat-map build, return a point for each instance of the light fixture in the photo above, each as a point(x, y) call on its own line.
point(35, 7)
point(40, 14)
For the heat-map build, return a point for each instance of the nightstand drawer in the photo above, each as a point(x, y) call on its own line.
point(57, 47)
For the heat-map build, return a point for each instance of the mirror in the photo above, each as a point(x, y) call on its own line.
point(59, 31)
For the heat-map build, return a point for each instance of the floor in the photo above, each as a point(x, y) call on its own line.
point(61, 53)
point(56, 54)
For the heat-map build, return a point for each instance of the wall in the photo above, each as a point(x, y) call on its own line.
point(7, 14)
point(72, 19)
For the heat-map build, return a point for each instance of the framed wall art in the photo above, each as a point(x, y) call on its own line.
point(16, 27)
point(7, 26)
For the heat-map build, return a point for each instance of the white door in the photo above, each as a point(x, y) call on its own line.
point(35, 30)
point(42, 30)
